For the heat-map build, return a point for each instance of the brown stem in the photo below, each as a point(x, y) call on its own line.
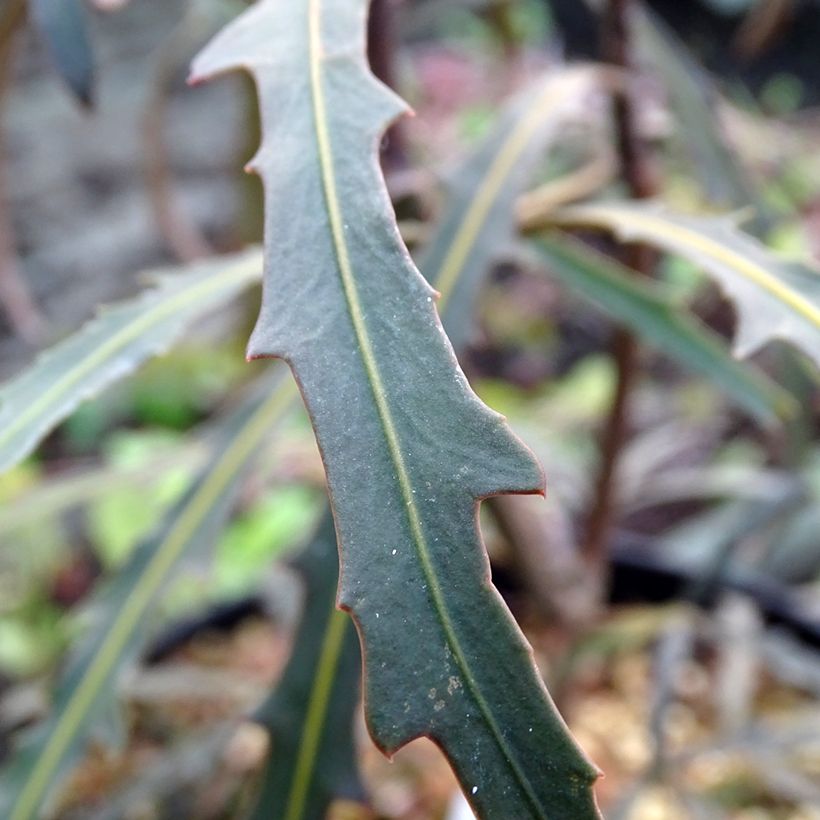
point(15, 298)
point(180, 233)
point(540, 537)
point(639, 177)
point(381, 51)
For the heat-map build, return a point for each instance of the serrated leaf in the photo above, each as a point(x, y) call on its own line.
point(111, 346)
point(64, 28)
point(479, 220)
point(641, 306)
point(87, 687)
point(408, 448)
point(775, 298)
point(310, 714)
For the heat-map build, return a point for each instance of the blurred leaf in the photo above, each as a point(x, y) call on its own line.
point(86, 688)
point(111, 346)
point(775, 298)
point(693, 99)
point(396, 422)
point(122, 517)
point(310, 714)
point(64, 28)
point(643, 307)
point(479, 219)
point(259, 535)
point(53, 495)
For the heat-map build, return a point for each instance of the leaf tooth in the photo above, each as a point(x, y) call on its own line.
point(246, 42)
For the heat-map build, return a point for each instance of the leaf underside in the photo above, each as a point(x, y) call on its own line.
point(408, 448)
point(775, 298)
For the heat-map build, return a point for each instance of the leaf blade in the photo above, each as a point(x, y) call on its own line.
point(775, 298)
point(480, 218)
point(310, 713)
point(378, 376)
point(110, 346)
point(683, 338)
point(43, 756)
point(63, 26)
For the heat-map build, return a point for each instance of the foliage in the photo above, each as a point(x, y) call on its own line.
point(701, 505)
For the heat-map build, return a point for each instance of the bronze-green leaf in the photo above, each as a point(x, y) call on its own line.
point(408, 448)
point(775, 298)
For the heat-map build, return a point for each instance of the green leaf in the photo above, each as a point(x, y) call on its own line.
point(694, 100)
point(310, 714)
point(111, 346)
point(123, 609)
point(642, 306)
point(408, 448)
point(775, 298)
point(479, 220)
point(64, 28)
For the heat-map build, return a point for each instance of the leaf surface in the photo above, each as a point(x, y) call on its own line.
point(87, 688)
point(310, 714)
point(111, 346)
point(408, 448)
point(64, 28)
point(775, 298)
point(642, 307)
point(479, 219)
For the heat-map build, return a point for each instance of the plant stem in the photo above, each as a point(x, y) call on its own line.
point(15, 298)
point(381, 50)
point(638, 176)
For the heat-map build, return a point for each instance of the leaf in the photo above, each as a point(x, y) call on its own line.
point(775, 298)
point(693, 99)
point(408, 448)
point(85, 690)
point(111, 346)
point(64, 28)
point(480, 218)
point(310, 714)
point(641, 306)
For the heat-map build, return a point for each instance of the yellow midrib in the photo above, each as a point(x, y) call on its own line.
point(487, 193)
point(326, 164)
point(679, 237)
point(318, 703)
point(127, 334)
point(133, 608)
